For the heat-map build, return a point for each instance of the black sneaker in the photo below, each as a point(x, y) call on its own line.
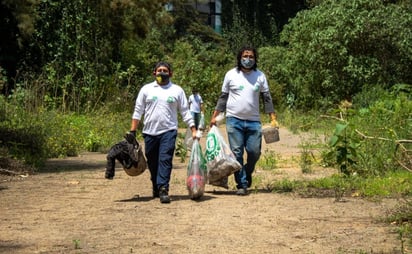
point(242, 192)
point(164, 195)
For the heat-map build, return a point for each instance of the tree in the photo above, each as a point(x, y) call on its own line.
point(338, 47)
point(256, 22)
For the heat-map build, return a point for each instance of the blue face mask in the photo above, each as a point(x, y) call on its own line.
point(247, 62)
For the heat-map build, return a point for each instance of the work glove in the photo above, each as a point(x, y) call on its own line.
point(131, 138)
point(273, 122)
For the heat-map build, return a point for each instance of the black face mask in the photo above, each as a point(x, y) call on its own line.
point(162, 78)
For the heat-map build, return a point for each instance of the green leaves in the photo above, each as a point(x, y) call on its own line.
point(339, 46)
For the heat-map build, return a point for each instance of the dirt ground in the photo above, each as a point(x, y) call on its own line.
point(76, 210)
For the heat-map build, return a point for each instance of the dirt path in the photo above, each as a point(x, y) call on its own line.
point(78, 211)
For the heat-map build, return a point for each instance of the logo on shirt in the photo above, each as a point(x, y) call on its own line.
point(241, 87)
point(256, 87)
point(170, 99)
point(154, 98)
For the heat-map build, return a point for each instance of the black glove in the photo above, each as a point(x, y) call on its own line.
point(131, 138)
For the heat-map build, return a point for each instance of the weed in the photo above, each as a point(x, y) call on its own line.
point(76, 244)
point(306, 158)
point(284, 185)
point(269, 160)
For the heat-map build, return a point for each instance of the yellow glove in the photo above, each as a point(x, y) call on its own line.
point(274, 123)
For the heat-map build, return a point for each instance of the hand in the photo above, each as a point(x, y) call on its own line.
point(194, 134)
point(199, 134)
point(274, 123)
point(212, 122)
point(131, 137)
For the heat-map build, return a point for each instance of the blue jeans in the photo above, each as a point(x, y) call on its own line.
point(159, 152)
point(244, 135)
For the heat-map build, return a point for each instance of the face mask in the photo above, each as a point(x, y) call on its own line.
point(162, 78)
point(247, 62)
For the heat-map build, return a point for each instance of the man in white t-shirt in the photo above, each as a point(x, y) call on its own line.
point(196, 106)
point(158, 103)
point(242, 87)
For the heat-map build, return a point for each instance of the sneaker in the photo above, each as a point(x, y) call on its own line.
point(242, 192)
point(164, 196)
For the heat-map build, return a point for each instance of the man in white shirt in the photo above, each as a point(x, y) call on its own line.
point(158, 103)
point(242, 87)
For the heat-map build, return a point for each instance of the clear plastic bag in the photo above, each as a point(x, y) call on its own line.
point(188, 139)
point(202, 124)
point(221, 162)
point(196, 172)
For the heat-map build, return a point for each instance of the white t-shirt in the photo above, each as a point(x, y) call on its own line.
point(244, 92)
point(159, 105)
point(195, 100)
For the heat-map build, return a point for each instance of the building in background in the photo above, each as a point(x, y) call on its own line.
point(210, 11)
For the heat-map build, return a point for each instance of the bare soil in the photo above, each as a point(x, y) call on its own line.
point(70, 208)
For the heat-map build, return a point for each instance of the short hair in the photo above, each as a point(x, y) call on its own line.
point(239, 56)
point(162, 63)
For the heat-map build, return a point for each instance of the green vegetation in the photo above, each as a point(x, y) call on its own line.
point(340, 69)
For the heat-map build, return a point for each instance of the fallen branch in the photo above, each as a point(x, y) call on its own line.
point(333, 117)
point(405, 159)
point(8, 172)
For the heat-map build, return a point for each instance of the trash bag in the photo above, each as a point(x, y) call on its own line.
point(202, 124)
point(139, 164)
point(129, 155)
point(188, 139)
point(220, 160)
point(196, 172)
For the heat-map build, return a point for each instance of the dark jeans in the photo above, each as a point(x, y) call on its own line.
point(159, 152)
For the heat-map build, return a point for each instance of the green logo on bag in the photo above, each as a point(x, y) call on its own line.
point(212, 146)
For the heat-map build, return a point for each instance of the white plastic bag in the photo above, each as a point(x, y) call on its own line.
point(220, 118)
point(221, 162)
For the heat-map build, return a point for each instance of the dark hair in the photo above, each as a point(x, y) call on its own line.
point(162, 63)
point(239, 56)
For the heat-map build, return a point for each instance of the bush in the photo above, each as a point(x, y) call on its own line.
point(336, 48)
point(365, 139)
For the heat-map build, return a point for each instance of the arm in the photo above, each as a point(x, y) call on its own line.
point(134, 124)
point(220, 107)
point(201, 108)
point(268, 105)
